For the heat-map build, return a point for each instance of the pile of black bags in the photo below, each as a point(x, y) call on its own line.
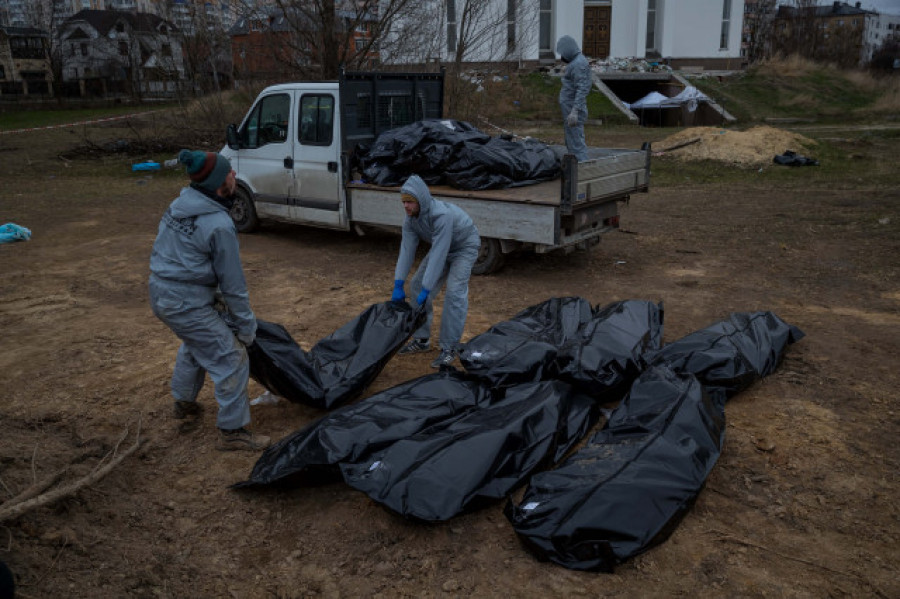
point(450, 152)
point(533, 388)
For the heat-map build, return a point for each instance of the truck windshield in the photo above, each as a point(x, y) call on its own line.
point(268, 122)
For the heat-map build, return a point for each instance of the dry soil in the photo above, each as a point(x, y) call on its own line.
point(802, 503)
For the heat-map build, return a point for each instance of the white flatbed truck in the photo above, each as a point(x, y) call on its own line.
point(294, 149)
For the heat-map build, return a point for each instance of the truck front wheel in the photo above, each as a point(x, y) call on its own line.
point(243, 212)
point(490, 257)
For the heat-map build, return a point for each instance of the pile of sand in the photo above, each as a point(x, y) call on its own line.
point(754, 147)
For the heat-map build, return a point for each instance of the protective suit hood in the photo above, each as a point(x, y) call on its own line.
point(567, 48)
point(416, 187)
point(192, 202)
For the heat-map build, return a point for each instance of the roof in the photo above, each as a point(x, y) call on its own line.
point(104, 20)
point(836, 9)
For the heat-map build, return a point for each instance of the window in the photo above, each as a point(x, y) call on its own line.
point(120, 27)
point(545, 22)
point(316, 120)
point(84, 49)
point(123, 48)
point(651, 25)
point(268, 123)
point(451, 26)
point(510, 25)
point(360, 44)
point(726, 24)
point(166, 50)
point(2, 72)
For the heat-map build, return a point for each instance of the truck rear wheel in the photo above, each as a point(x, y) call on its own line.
point(490, 257)
point(243, 212)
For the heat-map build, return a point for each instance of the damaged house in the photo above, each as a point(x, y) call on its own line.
point(121, 53)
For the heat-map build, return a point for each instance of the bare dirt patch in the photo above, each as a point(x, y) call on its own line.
point(754, 147)
point(802, 502)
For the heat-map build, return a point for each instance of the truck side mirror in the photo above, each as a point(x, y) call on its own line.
point(231, 137)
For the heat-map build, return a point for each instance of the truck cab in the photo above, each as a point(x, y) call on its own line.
point(293, 149)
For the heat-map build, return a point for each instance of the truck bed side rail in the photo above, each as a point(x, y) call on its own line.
point(607, 173)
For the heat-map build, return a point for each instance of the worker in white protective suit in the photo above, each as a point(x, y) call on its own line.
point(576, 83)
point(454, 249)
point(195, 264)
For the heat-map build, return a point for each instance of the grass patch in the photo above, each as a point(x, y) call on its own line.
point(26, 119)
point(505, 99)
point(840, 165)
point(798, 88)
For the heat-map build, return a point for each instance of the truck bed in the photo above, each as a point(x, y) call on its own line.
point(546, 192)
point(607, 173)
point(550, 214)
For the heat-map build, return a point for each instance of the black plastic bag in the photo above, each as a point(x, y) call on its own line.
point(461, 464)
point(522, 348)
point(791, 158)
point(631, 484)
point(565, 338)
point(350, 433)
point(339, 367)
point(609, 352)
point(732, 354)
point(626, 490)
point(446, 151)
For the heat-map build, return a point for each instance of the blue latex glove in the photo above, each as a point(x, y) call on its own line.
point(398, 295)
point(572, 119)
point(423, 295)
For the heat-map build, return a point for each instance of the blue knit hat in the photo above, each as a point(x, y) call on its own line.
point(207, 169)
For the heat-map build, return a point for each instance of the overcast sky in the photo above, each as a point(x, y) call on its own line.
point(888, 7)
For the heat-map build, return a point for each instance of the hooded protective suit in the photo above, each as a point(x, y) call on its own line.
point(196, 255)
point(454, 248)
point(576, 83)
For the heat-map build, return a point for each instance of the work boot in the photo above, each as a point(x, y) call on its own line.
point(415, 346)
point(185, 409)
point(240, 439)
point(444, 359)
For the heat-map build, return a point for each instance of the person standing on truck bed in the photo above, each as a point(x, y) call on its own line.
point(195, 262)
point(576, 83)
point(454, 248)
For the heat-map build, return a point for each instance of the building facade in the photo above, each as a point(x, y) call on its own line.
point(701, 32)
point(841, 33)
point(25, 62)
point(115, 52)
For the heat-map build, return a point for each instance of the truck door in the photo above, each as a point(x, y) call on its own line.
point(266, 156)
point(316, 186)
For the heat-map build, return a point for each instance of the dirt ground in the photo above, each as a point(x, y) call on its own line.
point(802, 503)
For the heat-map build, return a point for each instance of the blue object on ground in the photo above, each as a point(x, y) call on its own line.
point(12, 232)
point(145, 166)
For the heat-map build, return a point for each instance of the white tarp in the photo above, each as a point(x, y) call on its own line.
point(690, 97)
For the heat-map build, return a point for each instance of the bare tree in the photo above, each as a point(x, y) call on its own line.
point(40, 14)
point(803, 28)
point(483, 31)
point(314, 38)
point(796, 29)
point(205, 45)
point(758, 28)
